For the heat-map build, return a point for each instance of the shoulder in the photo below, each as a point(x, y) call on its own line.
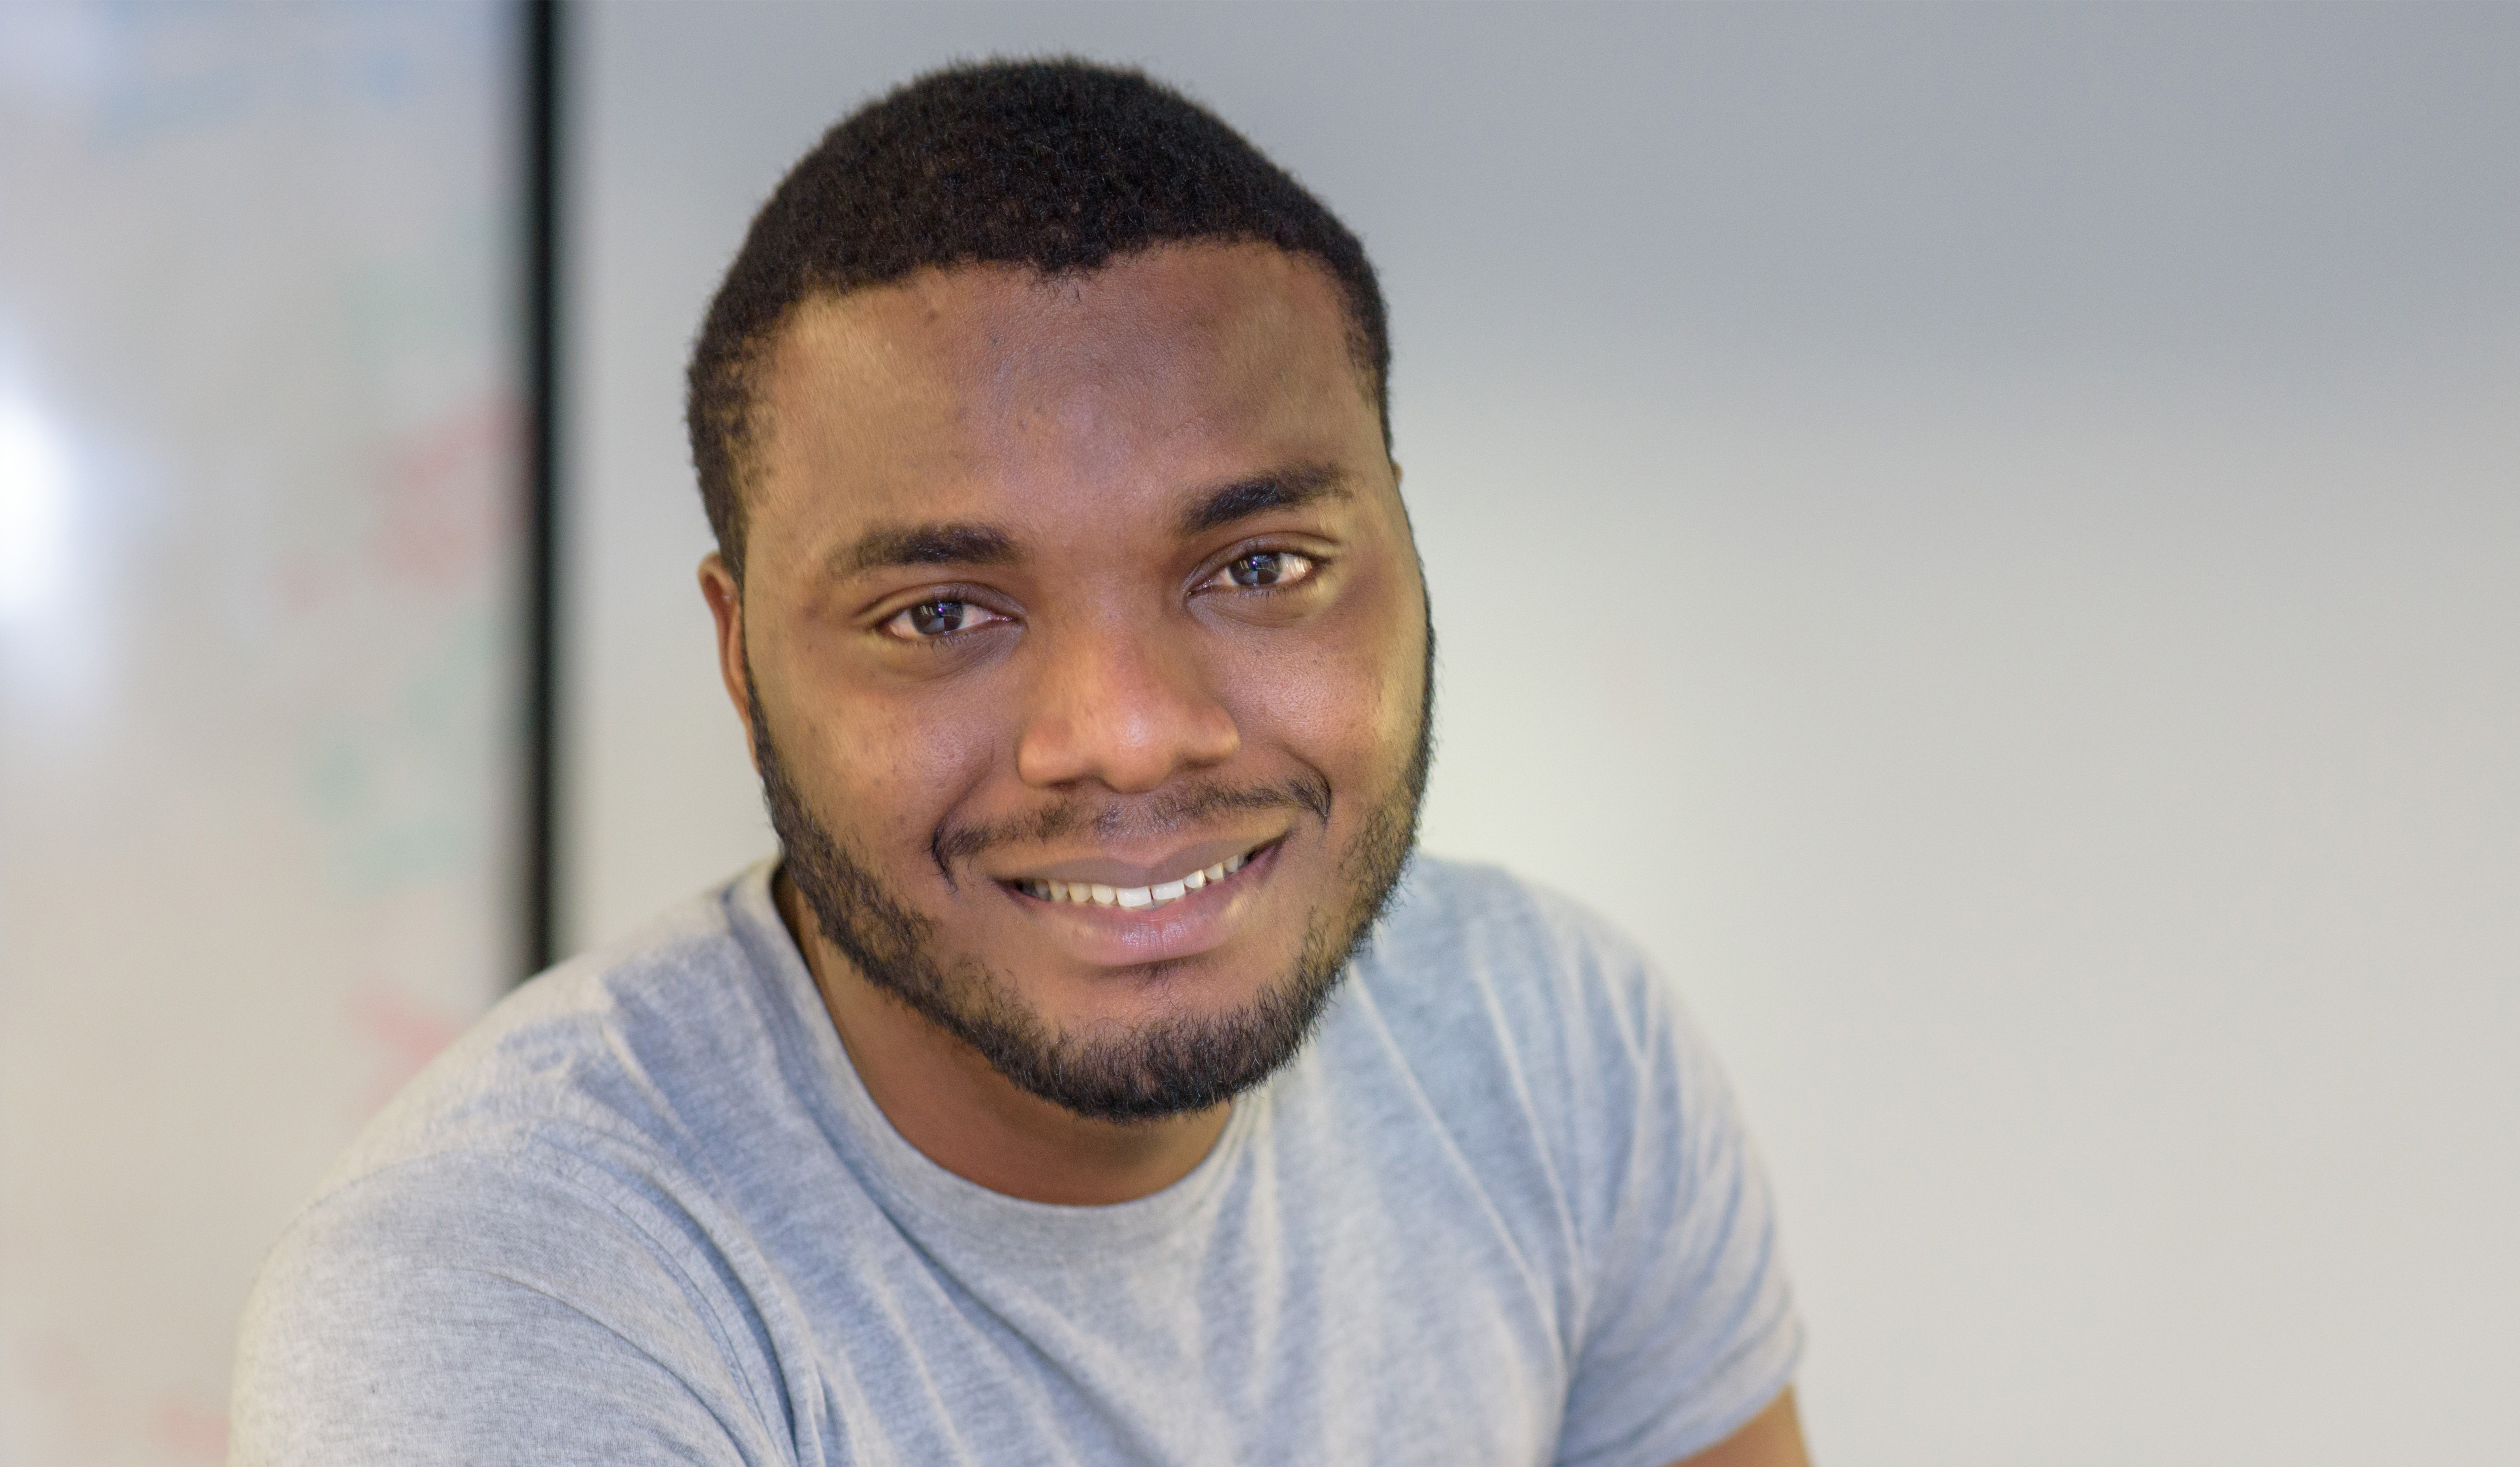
point(1539, 1034)
point(543, 1186)
point(620, 1043)
point(1528, 1018)
point(585, 1108)
point(1566, 1067)
point(619, 1060)
point(1471, 911)
point(1472, 945)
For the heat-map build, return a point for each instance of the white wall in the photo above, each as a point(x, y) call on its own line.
point(1985, 535)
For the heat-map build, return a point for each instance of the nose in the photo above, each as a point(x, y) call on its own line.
point(1128, 706)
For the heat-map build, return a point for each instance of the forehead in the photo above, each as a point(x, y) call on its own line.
point(987, 388)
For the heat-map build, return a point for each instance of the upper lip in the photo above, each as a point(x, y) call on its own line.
point(1108, 870)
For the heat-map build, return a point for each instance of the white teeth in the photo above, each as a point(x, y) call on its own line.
point(1132, 898)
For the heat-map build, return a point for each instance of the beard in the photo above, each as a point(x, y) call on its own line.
point(1135, 1073)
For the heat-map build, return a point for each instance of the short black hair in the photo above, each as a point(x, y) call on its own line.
point(1056, 163)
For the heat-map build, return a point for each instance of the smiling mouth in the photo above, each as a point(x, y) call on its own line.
point(1135, 897)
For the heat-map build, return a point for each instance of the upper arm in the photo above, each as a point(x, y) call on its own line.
point(1771, 1438)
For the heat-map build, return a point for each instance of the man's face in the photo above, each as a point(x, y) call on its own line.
point(1059, 595)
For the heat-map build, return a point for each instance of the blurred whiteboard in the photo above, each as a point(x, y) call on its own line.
point(258, 530)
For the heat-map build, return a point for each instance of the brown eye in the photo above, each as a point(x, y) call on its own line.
point(1262, 569)
point(942, 617)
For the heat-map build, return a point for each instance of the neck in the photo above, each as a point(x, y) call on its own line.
point(952, 1105)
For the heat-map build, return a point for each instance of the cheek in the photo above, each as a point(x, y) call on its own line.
point(1345, 700)
point(896, 766)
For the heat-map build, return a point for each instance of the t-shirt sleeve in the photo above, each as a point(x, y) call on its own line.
point(1689, 1329)
point(460, 1310)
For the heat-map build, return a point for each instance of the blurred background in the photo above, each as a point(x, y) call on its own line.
point(1987, 535)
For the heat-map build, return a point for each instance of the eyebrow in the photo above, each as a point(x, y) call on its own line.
point(1278, 489)
point(962, 543)
point(941, 544)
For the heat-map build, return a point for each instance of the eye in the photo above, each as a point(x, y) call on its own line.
point(1264, 571)
point(942, 617)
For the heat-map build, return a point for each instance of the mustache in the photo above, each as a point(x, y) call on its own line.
point(1107, 820)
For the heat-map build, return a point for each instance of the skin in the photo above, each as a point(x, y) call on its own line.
point(1112, 661)
point(1107, 660)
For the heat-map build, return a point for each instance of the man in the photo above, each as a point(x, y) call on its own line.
point(1095, 1078)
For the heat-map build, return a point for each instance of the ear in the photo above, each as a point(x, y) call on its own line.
point(725, 598)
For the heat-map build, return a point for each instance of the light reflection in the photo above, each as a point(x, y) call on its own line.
point(34, 510)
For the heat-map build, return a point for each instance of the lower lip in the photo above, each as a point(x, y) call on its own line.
point(1185, 927)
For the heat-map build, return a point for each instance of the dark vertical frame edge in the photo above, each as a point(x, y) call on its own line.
point(541, 34)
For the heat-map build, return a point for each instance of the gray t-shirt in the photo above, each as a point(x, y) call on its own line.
point(1500, 1210)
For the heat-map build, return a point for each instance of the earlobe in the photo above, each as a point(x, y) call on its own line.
point(725, 598)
